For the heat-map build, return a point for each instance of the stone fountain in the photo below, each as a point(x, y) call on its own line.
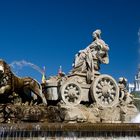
point(82, 104)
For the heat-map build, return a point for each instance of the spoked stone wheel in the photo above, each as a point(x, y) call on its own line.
point(71, 93)
point(105, 91)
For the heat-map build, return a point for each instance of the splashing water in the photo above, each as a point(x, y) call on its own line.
point(23, 63)
point(136, 119)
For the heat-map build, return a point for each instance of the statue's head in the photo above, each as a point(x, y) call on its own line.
point(99, 42)
point(1, 68)
point(123, 80)
point(96, 34)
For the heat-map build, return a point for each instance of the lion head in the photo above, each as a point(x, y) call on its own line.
point(5, 71)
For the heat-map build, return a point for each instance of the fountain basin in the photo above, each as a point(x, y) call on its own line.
point(70, 130)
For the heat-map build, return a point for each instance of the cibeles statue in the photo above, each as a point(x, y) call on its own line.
point(89, 59)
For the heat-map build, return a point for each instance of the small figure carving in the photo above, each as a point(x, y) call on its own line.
point(24, 87)
point(127, 108)
point(125, 96)
point(122, 83)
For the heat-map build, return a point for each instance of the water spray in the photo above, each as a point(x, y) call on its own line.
point(23, 63)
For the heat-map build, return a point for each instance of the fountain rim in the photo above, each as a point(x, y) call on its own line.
point(71, 127)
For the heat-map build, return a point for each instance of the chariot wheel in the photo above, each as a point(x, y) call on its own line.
point(104, 91)
point(71, 93)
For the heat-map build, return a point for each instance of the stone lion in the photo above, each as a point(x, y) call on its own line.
point(27, 89)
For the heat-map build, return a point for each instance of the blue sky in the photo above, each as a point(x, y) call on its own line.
point(51, 32)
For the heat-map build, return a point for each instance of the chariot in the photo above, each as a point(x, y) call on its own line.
point(73, 89)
